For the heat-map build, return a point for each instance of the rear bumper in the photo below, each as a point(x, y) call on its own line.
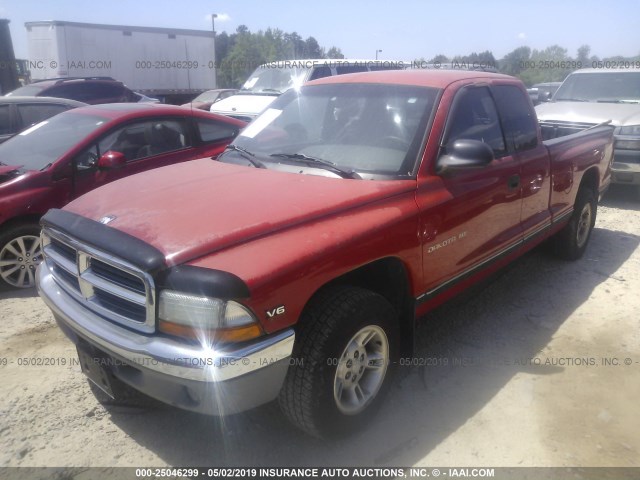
point(191, 377)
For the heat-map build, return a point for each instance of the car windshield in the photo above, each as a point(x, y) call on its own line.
point(44, 143)
point(601, 87)
point(275, 78)
point(26, 91)
point(366, 129)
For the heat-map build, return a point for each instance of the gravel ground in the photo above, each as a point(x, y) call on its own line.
point(527, 371)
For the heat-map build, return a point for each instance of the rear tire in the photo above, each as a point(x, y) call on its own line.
point(571, 242)
point(346, 344)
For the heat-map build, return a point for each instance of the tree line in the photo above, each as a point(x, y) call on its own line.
point(239, 53)
point(551, 64)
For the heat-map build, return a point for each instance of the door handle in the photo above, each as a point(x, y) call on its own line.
point(513, 182)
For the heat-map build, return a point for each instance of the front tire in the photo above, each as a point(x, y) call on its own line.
point(20, 255)
point(343, 359)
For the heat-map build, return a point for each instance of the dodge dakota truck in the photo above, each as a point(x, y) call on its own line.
point(295, 265)
point(592, 96)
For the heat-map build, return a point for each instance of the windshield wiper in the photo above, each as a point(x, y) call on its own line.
point(271, 90)
point(319, 162)
point(613, 100)
point(247, 155)
point(571, 100)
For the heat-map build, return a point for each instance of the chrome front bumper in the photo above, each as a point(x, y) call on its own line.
point(158, 364)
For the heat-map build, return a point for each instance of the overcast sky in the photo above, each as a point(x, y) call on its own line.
point(410, 29)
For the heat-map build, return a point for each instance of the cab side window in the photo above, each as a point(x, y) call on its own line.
point(475, 117)
point(211, 131)
point(5, 120)
point(137, 141)
point(520, 125)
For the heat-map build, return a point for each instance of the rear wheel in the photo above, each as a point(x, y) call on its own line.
point(342, 362)
point(20, 255)
point(571, 242)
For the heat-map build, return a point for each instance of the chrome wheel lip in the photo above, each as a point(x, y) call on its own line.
point(361, 370)
point(584, 225)
point(19, 259)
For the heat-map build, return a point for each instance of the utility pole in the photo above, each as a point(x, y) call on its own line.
point(215, 69)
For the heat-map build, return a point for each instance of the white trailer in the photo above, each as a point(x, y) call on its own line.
point(160, 62)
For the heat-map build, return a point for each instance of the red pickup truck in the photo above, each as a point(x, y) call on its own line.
point(296, 265)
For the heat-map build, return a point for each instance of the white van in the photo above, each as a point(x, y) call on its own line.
point(270, 80)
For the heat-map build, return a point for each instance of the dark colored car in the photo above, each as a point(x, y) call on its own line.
point(208, 98)
point(19, 113)
point(92, 90)
point(61, 158)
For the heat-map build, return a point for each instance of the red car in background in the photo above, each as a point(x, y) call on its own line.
point(59, 159)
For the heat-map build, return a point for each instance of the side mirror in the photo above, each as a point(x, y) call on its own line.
point(544, 97)
point(463, 155)
point(60, 172)
point(111, 160)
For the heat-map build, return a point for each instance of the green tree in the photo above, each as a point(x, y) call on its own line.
point(335, 53)
point(552, 64)
point(312, 48)
point(515, 62)
point(440, 59)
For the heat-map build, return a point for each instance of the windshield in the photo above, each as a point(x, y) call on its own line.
point(47, 141)
point(372, 130)
point(275, 78)
point(601, 87)
point(26, 91)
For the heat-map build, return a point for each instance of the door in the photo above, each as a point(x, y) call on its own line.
point(469, 217)
point(146, 144)
point(521, 132)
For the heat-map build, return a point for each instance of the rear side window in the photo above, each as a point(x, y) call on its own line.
point(519, 123)
point(474, 117)
point(5, 120)
point(89, 92)
point(214, 131)
point(32, 114)
point(320, 72)
point(351, 69)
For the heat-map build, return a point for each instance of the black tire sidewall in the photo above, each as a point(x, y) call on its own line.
point(331, 421)
point(585, 196)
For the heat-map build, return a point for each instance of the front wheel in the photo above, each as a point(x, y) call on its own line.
point(571, 242)
point(20, 255)
point(343, 361)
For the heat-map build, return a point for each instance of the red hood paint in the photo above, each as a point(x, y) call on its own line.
point(225, 204)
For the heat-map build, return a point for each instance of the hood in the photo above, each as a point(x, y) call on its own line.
point(240, 104)
point(196, 208)
point(620, 114)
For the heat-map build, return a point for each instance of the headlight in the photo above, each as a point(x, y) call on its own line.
point(201, 317)
point(629, 130)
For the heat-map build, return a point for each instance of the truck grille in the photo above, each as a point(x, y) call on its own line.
point(110, 287)
point(557, 129)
